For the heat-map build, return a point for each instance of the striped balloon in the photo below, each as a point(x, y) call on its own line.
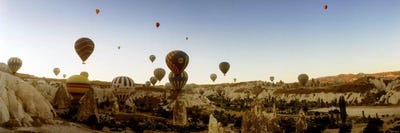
point(84, 47)
point(178, 81)
point(153, 80)
point(224, 67)
point(177, 61)
point(14, 63)
point(122, 82)
point(159, 73)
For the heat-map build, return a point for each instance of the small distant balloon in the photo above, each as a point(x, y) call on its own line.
point(187, 38)
point(159, 73)
point(97, 11)
point(234, 79)
point(56, 71)
point(152, 58)
point(157, 24)
point(85, 74)
point(64, 75)
point(325, 7)
point(153, 80)
point(213, 77)
point(119, 47)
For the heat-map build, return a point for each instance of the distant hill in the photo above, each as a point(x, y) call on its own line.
point(352, 77)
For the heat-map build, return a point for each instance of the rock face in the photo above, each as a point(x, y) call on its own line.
point(62, 98)
point(214, 126)
point(179, 113)
point(4, 68)
point(258, 121)
point(87, 106)
point(301, 124)
point(21, 103)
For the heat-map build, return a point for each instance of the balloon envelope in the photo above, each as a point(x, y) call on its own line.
point(177, 61)
point(224, 67)
point(56, 71)
point(325, 7)
point(152, 58)
point(153, 80)
point(14, 63)
point(157, 24)
point(97, 11)
point(159, 73)
point(85, 74)
point(303, 78)
point(84, 47)
point(213, 77)
point(178, 81)
point(122, 82)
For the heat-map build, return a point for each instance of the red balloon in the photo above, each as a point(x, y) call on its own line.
point(157, 24)
point(325, 7)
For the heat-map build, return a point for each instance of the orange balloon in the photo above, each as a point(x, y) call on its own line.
point(97, 11)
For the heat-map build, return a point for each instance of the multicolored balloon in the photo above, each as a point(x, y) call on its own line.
point(85, 74)
point(56, 71)
point(177, 61)
point(153, 80)
point(152, 58)
point(122, 82)
point(213, 77)
point(303, 79)
point(159, 73)
point(14, 63)
point(84, 47)
point(224, 67)
point(178, 81)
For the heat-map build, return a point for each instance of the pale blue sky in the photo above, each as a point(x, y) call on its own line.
point(259, 38)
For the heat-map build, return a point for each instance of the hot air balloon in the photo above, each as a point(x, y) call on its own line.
point(152, 58)
point(97, 11)
point(119, 47)
point(303, 78)
point(153, 80)
point(14, 63)
point(157, 24)
point(122, 82)
point(64, 75)
point(187, 38)
point(159, 73)
point(124, 86)
point(201, 92)
point(325, 7)
point(85, 74)
point(84, 47)
point(234, 79)
point(77, 86)
point(56, 71)
point(213, 77)
point(177, 61)
point(148, 83)
point(167, 86)
point(224, 67)
point(178, 81)
point(272, 78)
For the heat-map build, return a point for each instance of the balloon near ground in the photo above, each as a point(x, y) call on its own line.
point(224, 67)
point(84, 47)
point(77, 86)
point(177, 61)
point(85, 74)
point(122, 82)
point(272, 78)
point(153, 80)
point(303, 78)
point(213, 77)
point(64, 75)
point(14, 63)
point(56, 71)
point(159, 73)
point(178, 81)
